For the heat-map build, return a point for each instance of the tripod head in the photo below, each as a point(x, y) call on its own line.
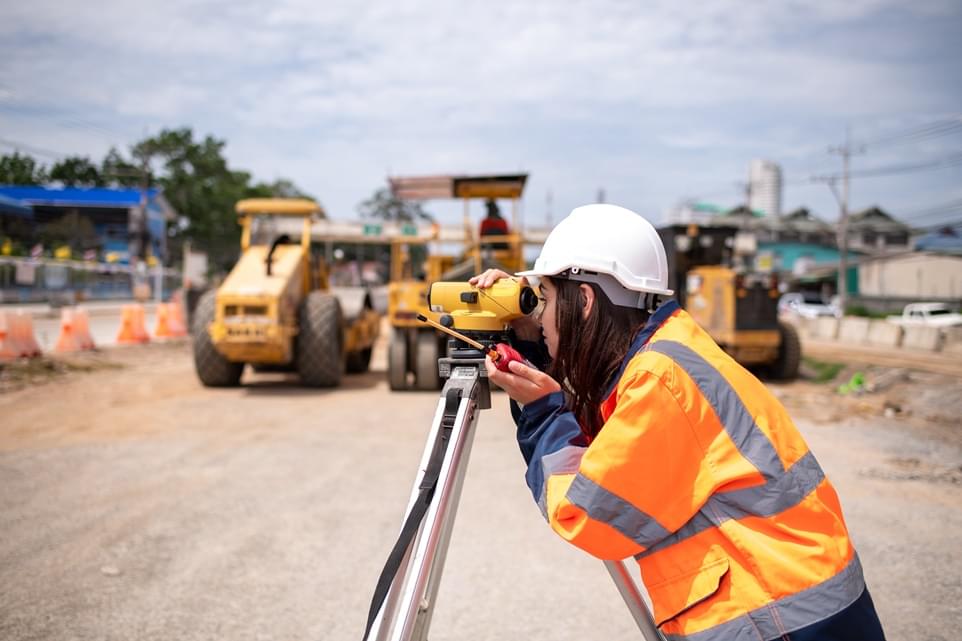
point(478, 320)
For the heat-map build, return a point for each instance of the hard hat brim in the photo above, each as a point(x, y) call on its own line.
point(537, 273)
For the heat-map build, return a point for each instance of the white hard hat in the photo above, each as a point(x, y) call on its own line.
point(608, 245)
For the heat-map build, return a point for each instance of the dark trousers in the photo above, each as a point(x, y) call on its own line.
point(857, 622)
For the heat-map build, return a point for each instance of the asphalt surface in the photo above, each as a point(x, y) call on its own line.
point(136, 504)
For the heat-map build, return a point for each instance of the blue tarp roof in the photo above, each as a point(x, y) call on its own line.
point(76, 196)
point(941, 242)
point(14, 207)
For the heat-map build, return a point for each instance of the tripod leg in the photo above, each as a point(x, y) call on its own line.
point(408, 606)
point(387, 614)
point(431, 546)
point(636, 604)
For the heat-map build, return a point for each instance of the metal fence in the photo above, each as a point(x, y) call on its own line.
point(26, 280)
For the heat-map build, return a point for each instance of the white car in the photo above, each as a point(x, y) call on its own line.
point(927, 315)
point(806, 305)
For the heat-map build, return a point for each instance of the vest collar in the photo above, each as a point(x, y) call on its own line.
point(656, 320)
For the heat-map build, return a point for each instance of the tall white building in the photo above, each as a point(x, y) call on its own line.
point(765, 180)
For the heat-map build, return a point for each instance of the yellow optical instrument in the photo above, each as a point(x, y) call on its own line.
point(482, 310)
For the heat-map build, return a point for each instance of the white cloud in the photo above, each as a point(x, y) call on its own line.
point(336, 94)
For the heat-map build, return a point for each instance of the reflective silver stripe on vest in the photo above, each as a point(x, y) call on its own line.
point(601, 505)
point(769, 499)
point(567, 460)
point(748, 438)
point(789, 613)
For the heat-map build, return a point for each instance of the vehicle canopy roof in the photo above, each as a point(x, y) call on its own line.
point(278, 206)
point(431, 187)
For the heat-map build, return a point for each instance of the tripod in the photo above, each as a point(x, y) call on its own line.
point(404, 598)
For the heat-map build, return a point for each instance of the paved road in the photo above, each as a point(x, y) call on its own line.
point(137, 505)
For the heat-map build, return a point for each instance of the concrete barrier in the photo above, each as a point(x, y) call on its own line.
point(884, 334)
point(853, 329)
point(925, 338)
point(826, 327)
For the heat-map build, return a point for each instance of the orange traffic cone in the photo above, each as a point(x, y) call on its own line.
point(22, 325)
point(68, 340)
point(177, 312)
point(141, 324)
point(132, 330)
point(162, 329)
point(82, 319)
point(9, 349)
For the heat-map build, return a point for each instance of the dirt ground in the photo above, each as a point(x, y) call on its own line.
point(136, 504)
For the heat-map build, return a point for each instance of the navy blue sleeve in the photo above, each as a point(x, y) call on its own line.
point(544, 427)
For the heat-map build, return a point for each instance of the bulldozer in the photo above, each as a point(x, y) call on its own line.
point(733, 294)
point(414, 347)
point(276, 309)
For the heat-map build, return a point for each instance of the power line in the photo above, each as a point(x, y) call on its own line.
point(950, 224)
point(937, 221)
point(951, 206)
point(40, 151)
point(938, 163)
point(935, 129)
point(58, 117)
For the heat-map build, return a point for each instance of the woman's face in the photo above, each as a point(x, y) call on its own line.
point(549, 317)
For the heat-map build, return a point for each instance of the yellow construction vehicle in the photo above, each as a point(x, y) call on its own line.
point(275, 310)
point(719, 280)
point(415, 348)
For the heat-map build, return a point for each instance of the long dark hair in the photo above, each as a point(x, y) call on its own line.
point(590, 350)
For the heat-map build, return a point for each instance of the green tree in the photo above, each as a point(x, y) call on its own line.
point(119, 172)
point(19, 169)
point(202, 187)
point(280, 188)
point(384, 205)
point(198, 183)
point(76, 171)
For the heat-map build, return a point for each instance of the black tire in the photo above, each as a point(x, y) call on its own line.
point(212, 368)
point(426, 361)
point(320, 357)
point(397, 360)
point(358, 362)
point(785, 367)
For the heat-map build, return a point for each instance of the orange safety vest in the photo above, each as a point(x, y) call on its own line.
point(700, 474)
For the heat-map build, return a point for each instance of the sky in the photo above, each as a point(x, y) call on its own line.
point(643, 103)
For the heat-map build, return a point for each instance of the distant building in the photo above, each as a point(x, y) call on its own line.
point(874, 231)
point(113, 214)
point(887, 283)
point(692, 211)
point(765, 188)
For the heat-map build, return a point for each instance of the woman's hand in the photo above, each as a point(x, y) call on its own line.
point(526, 328)
point(489, 277)
point(522, 383)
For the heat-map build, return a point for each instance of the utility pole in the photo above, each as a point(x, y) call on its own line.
point(548, 215)
point(845, 151)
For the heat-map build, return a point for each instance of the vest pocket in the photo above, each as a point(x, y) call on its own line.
point(679, 593)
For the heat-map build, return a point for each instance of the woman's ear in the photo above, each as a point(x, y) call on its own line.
point(587, 296)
